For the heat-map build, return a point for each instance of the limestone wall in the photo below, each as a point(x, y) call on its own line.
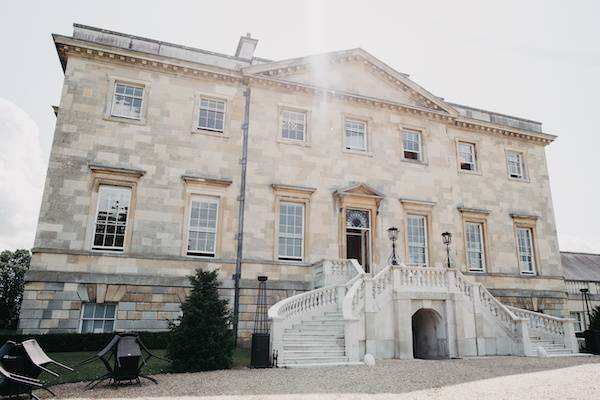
point(165, 146)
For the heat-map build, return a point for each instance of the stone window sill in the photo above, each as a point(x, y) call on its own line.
point(125, 120)
point(208, 132)
point(357, 152)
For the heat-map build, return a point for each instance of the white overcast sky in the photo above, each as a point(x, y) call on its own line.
point(535, 59)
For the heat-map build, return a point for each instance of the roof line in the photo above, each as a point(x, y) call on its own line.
point(160, 42)
point(579, 252)
point(494, 112)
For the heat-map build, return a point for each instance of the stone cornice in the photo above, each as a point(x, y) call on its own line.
point(456, 121)
point(480, 126)
point(473, 210)
point(523, 216)
point(137, 173)
point(417, 202)
point(67, 46)
point(207, 180)
point(347, 96)
point(291, 188)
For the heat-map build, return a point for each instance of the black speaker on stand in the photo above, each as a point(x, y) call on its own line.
point(261, 340)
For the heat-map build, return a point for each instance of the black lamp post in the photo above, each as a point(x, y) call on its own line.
point(393, 235)
point(447, 239)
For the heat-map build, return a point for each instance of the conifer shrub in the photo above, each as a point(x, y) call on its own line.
point(202, 338)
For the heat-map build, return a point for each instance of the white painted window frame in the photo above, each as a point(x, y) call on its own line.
point(211, 199)
point(102, 188)
point(365, 145)
point(522, 167)
point(425, 237)
point(104, 319)
point(291, 236)
point(462, 160)
point(419, 142)
point(480, 228)
point(578, 316)
point(200, 108)
point(141, 98)
point(282, 112)
point(530, 241)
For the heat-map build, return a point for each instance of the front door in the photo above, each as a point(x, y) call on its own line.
point(358, 237)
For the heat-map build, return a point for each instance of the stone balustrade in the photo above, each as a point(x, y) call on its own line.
point(358, 295)
point(574, 287)
point(333, 272)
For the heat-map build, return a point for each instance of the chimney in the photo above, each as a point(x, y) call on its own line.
point(245, 47)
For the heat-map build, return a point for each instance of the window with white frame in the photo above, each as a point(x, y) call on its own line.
point(417, 239)
point(466, 156)
point(97, 318)
point(111, 218)
point(578, 323)
point(293, 125)
point(202, 229)
point(516, 165)
point(475, 246)
point(411, 144)
point(526, 251)
point(212, 115)
point(291, 231)
point(127, 101)
point(356, 135)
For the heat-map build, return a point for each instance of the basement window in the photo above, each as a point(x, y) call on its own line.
point(97, 318)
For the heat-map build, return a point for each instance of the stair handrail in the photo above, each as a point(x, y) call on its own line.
point(304, 301)
point(549, 323)
point(509, 319)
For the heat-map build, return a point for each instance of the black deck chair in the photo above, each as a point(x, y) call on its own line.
point(105, 356)
point(124, 359)
point(12, 384)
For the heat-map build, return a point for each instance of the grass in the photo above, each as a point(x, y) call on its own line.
point(241, 359)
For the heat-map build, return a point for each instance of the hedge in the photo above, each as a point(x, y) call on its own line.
point(68, 342)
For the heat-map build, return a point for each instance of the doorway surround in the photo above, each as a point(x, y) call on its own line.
point(362, 197)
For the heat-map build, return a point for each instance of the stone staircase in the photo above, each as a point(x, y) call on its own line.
point(321, 327)
point(318, 341)
point(551, 348)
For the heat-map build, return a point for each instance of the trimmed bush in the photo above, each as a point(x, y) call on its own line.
point(69, 342)
point(202, 338)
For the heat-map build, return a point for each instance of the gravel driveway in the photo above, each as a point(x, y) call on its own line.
point(391, 376)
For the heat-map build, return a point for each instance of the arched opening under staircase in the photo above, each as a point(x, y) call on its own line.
point(430, 339)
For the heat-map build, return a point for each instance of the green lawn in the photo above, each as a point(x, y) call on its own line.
point(241, 359)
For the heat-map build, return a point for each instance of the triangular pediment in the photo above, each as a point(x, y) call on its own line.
point(353, 72)
point(359, 189)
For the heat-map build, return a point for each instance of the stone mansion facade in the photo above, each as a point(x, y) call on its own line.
point(143, 184)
